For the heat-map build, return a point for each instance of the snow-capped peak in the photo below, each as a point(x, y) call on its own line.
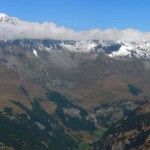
point(2, 15)
point(11, 20)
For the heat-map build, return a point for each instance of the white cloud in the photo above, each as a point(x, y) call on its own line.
point(52, 31)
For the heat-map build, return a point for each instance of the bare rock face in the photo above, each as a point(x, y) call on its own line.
point(73, 112)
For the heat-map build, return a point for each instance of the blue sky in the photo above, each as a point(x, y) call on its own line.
point(83, 14)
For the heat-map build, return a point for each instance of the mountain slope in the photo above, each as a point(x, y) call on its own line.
point(130, 133)
point(33, 117)
point(97, 92)
point(73, 92)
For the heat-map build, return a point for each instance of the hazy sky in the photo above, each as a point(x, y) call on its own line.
point(83, 14)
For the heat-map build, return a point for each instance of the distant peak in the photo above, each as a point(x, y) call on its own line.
point(7, 19)
point(2, 15)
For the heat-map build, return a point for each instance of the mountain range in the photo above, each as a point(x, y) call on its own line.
point(79, 92)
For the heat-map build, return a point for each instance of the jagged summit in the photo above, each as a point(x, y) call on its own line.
point(7, 19)
point(114, 49)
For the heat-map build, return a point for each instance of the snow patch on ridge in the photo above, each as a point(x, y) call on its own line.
point(35, 53)
point(133, 49)
point(80, 46)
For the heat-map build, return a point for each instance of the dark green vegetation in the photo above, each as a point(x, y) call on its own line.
point(74, 123)
point(134, 90)
point(37, 130)
point(129, 133)
point(99, 133)
point(70, 126)
point(33, 130)
point(82, 146)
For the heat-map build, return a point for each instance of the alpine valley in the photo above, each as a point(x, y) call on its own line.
point(73, 94)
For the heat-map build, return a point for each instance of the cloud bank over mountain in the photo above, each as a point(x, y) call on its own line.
point(29, 30)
